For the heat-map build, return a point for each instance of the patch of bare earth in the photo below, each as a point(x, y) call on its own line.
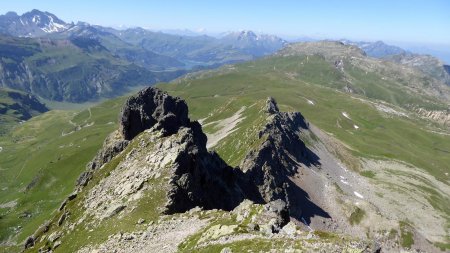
point(394, 194)
point(224, 128)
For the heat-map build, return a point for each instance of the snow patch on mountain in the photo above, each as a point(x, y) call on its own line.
point(53, 26)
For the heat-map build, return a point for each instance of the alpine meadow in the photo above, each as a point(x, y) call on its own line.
point(166, 127)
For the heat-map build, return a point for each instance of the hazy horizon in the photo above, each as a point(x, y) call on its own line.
point(407, 21)
point(413, 25)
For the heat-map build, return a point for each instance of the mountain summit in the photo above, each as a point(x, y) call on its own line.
point(257, 44)
point(31, 24)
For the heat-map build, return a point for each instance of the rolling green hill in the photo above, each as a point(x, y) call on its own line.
point(16, 106)
point(363, 110)
point(40, 161)
point(309, 81)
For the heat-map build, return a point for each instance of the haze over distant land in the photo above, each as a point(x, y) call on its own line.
point(141, 126)
point(419, 23)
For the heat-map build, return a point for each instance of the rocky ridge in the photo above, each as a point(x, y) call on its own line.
point(159, 150)
point(269, 165)
point(441, 117)
point(198, 176)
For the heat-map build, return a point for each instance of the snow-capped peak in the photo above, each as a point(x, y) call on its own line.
point(53, 26)
point(36, 22)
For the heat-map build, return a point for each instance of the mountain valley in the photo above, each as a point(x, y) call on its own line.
point(237, 143)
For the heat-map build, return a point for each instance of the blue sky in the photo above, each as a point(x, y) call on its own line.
point(410, 21)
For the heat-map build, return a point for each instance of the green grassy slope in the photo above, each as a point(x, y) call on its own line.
point(41, 160)
point(313, 86)
point(38, 154)
point(17, 106)
point(407, 139)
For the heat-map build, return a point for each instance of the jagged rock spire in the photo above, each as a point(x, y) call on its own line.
point(149, 107)
point(271, 106)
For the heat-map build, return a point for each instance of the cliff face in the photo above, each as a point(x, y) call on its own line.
point(268, 167)
point(152, 107)
point(196, 176)
point(159, 157)
point(72, 70)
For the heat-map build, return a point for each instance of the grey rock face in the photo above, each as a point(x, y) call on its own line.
point(149, 107)
point(268, 218)
point(107, 153)
point(202, 178)
point(198, 175)
point(279, 212)
point(112, 146)
point(268, 167)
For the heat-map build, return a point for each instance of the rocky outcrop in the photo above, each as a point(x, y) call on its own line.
point(197, 177)
point(175, 147)
point(202, 178)
point(268, 167)
point(113, 145)
point(442, 117)
point(29, 242)
point(149, 107)
point(158, 152)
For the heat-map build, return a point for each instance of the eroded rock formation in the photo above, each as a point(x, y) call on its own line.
point(268, 167)
point(195, 176)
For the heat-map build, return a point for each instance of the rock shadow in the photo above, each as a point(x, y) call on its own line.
point(301, 207)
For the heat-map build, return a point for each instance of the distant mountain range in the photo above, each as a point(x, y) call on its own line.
point(426, 63)
point(48, 57)
point(377, 49)
point(74, 70)
point(31, 24)
point(202, 50)
point(43, 55)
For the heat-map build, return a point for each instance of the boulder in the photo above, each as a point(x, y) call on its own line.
point(268, 218)
point(113, 210)
point(275, 214)
point(54, 236)
point(290, 229)
point(29, 242)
